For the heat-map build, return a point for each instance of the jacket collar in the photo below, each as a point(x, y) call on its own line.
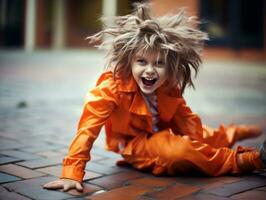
point(168, 101)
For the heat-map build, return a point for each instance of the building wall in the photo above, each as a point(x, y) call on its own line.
point(160, 7)
point(44, 24)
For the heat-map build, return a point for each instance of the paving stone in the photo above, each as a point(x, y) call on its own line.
point(131, 192)
point(95, 157)
point(230, 189)
point(104, 153)
point(19, 171)
point(115, 180)
point(41, 148)
point(107, 162)
point(176, 191)
point(21, 155)
point(48, 154)
point(6, 144)
point(256, 195)
point(151, 182)
point(6, 195)
point(4, 178)
point(200, 196)
point(28, 183)
point(209, 183)
point(32, 188)
point(103, 169)
point(206, 182)
point(52, 170)
point(12, 196)
point(261, 188)
point(42, 194)
point(87, 189)
point(8, 159)
point(33, 164)
point(57, 170)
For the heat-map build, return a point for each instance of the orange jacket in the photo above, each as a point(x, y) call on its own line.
point(121, 108)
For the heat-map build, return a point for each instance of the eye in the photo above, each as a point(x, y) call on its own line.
point(141, 61)
point(160, 63)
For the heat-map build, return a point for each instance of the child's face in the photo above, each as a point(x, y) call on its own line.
point(149, 71)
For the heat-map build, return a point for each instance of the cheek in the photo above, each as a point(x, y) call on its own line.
point(162, 73)
point(135, 71)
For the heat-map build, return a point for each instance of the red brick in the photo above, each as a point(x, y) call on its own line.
point(258, 195)
point(20, 171)
point(230, 189)
point(174, 192)
point(116, 180)
point(208, 182)
point(151, 182)
point(203, 197)
point(131, 192)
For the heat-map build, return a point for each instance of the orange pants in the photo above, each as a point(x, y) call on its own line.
point(167, 153)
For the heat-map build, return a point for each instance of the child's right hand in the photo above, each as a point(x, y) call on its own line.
point(65, 184)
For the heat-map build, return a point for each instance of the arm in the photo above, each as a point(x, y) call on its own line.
point(97, 109)
point(99, 105)
point(100, 102)
point(187, 122)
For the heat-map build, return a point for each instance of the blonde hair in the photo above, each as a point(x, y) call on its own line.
point(175, 36)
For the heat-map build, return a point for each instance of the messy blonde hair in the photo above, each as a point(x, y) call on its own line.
point(174, 36)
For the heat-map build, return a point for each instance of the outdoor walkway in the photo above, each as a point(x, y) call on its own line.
point(41, 97)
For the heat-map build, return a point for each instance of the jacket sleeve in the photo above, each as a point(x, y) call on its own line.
point(99, 104)
point(187, 122)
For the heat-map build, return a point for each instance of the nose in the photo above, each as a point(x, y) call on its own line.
point(149, 69)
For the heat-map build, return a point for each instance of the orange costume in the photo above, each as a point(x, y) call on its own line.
point(182, 144)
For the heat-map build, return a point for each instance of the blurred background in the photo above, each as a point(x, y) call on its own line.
point(237, 28)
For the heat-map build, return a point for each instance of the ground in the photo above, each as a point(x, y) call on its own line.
point(41, 98)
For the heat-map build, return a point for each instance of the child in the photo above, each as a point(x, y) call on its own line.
point(139, 101)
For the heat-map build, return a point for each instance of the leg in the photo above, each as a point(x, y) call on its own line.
point(226, 136)
point(168, 153)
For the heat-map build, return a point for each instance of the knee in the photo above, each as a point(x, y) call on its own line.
point(176, 149)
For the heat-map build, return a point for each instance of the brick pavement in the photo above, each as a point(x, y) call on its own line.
point(41, 96)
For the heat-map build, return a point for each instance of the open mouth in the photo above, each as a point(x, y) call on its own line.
point(148, 81)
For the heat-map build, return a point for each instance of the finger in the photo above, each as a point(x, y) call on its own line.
point(79, 187)
point(66, 187)
point(53, 185)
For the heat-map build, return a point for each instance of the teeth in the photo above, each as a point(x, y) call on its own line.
point(147, 78)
